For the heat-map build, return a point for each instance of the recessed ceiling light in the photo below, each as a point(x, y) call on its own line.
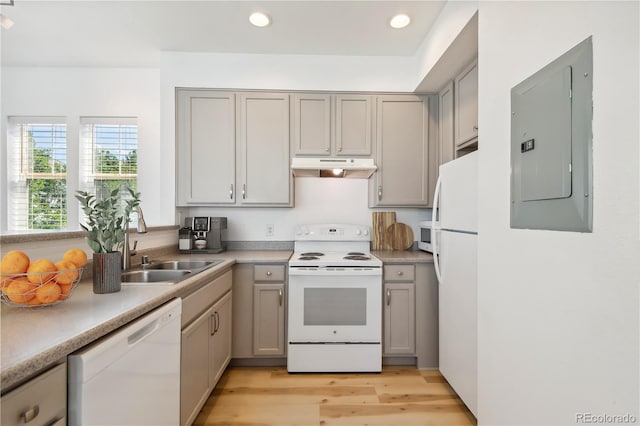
point(400, 21)
point(259, 19)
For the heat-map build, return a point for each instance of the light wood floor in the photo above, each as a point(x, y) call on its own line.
point(399, 396)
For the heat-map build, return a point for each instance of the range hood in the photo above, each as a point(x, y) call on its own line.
point(333, 167)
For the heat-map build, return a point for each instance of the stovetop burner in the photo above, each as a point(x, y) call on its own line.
point(355, 253)
point(308, 258)
point(313, 253)
point(356, 257)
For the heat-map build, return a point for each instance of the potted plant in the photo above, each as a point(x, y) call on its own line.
point(106, 225)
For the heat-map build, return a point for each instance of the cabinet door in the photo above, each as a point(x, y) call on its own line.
point(353, 124)
point(312, 124)
point(466, 105)
point(205, 147)
point(265, 173)
point(402, 152)
point(194, 367)
point(220, 338)
point(446, 124)
point(268, 319)
point(399, 319)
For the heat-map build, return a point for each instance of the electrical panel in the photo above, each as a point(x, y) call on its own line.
point(551, 139)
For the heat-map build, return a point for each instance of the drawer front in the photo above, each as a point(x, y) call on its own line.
point(195, 303)
point(399, 272)
point(42, 401)
point(268, 273)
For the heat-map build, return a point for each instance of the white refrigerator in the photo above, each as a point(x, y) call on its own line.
point(455, 228)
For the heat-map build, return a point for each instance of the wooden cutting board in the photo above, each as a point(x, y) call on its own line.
point(381, 221)
point(400, 235)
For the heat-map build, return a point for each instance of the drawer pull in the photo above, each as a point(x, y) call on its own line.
point(400, 273)
point(268, 273)
point(30, 414)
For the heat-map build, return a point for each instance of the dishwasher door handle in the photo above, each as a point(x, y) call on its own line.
point(143, 332)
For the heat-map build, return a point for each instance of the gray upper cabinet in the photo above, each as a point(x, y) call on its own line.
point(227, 143)
point(446, 143)
point(205, 149)
point(263, 133)
point(332, 125)
point(402, 152)
point(466, 105)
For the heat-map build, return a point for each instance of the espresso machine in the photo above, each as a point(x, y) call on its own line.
point(203, 234)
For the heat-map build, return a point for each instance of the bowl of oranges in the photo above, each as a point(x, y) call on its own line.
point(40, 282)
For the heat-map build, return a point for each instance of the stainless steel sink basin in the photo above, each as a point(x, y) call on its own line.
point(153, 276)
point(190, 265)
point(166, 272)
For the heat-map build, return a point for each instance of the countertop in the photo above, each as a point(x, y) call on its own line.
point(33, 339)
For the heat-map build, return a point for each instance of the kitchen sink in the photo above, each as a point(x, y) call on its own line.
point(190, 265)
point(166, 272)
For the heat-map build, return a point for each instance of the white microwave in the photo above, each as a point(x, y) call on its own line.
point(425, 239)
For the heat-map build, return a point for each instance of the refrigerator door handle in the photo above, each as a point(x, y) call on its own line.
point(435, 230)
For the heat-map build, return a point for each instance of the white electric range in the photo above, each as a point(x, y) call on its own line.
point(335, 301)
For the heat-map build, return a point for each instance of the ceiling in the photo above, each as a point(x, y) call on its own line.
point(134, 33)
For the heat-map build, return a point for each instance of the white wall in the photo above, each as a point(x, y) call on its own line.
point(558, 311)
point(316, 200)
point(76, 92)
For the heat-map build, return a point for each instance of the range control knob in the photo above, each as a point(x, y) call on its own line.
point(358, 232)
point(366, 232)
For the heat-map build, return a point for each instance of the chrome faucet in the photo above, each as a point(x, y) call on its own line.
point(127, 251)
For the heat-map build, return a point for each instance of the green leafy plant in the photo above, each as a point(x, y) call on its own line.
point(107, 219)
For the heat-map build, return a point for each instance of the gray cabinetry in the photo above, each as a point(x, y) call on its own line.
point(205, 343)
point(446, 136)
point(40, 401)
point(226, 143)
point(332, 124)
point(402, 152)
point(466, 105)
point(264, 149)
point(399, 310)
point(259, 309)
point(205, 149)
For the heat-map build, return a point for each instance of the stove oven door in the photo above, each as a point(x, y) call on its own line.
point(334, 307)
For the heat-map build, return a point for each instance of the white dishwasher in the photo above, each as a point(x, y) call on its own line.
point(130, 377)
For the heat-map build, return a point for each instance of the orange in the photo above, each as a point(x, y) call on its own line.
point(33, 302)
point(19, 290)
point(14, 262)
point(65, 289)
point(41, 271)
point(68, 272)
point(77, 256)
point(48, 292)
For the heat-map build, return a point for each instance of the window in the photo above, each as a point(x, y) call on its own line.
point(37, 174)
point(43, 179)
point(110, 154)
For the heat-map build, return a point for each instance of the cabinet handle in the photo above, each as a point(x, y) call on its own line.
point(280, 296)
point(30, 414)
point(268, 273)
point(244, 191)
point(326, 150)
point(339, 149)
point(475, 128)
point(217, 316)
point(388, 297)
point(231, 192)
point(212, 324)
point(380, 193)
point(400, 273)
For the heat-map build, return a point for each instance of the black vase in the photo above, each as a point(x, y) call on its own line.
point(106, 272)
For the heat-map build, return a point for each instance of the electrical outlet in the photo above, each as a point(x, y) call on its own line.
point(269, 230)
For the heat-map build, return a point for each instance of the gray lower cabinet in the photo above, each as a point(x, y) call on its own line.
point(40, 401)
point(410, 314)
point(259, 307)
point(402, 152)
point(205, 343)
point(399, 310)
point(332, 124)
point(227, 142)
